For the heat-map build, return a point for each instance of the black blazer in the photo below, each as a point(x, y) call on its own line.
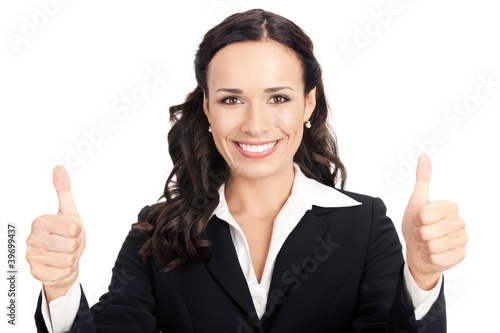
point(340, 270)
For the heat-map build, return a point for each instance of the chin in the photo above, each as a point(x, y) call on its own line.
point(256, 169)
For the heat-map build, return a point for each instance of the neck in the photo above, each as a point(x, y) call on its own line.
point(259, 197)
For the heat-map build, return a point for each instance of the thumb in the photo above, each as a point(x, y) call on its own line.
point(420, 195)
point(64, 195)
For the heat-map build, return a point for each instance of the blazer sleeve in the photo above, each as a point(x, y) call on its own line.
point(129, 305)
point(383, 303)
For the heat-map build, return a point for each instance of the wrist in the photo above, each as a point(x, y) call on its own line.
point(55, 291)
point(425, 280)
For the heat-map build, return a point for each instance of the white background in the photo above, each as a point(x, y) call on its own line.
point(396, 90)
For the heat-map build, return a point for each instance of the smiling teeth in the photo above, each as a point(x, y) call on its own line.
point(259, 148)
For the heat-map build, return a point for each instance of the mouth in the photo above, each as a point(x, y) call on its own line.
point(257, 150)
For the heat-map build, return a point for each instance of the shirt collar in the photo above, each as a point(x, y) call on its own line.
point(306, 192)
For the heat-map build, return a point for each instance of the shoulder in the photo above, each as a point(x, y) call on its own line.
point(357, 196)
point(370, 202)
point(307, 191)
point(369, 214)
point(141, 231)
point(143, 213)
point(146, 210)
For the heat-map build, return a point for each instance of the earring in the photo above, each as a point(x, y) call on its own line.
point(209, 129)
point(308, 124)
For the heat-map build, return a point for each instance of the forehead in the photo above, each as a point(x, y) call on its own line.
point(255, 64)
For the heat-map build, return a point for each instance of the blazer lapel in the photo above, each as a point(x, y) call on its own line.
point(299, 245)
point(224, 265)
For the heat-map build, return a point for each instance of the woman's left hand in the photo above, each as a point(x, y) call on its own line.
point(434, 233)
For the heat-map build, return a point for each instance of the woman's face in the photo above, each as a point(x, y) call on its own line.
point(256, 106)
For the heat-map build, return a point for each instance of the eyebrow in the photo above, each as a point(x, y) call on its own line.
point(239, 91)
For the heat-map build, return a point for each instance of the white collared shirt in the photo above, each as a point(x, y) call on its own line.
point(305, 193)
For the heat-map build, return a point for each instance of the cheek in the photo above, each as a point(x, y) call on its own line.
point(223, 122)
point(222, 125)
point(290, 121)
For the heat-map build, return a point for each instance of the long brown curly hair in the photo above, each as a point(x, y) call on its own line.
point(172, 228)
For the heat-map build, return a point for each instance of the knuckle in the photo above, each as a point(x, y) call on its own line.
point(29, 240)
point(74, 228)
point(70, 246)
point(431, 246)
point(73, 258)
point(423, 216)
point(423, 233)
point(422, 248)
point(70, 270)
point(36, 243)
point(35, 272)
point(74, 244)
point(31, 257)
point(453, 206)
point(38, 223)
point(68, 261)
point(416, 233)
point(30, 253)
point(433, 259)
point(65, 272)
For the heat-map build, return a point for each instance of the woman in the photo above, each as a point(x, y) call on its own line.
point(253, 236)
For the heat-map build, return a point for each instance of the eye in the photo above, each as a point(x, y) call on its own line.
point(231, 100)
point(279, 99)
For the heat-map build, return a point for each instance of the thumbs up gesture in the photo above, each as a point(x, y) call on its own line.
point(56, 242)
point(434, 233)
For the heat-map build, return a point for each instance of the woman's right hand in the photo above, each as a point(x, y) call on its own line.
point(56, 242)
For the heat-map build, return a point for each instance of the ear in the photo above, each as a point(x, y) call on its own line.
point(205, 107)
point(310, 104)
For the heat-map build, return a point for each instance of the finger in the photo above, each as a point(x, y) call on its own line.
point(446, 260)
point(48, 274)
point(438, 229)
point(444, 244)
point(62, 185)
point(436, 211)
point(54, 243)
point(53, 259)
point(420, 195)
point(67, 226)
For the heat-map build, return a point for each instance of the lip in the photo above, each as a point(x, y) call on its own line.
point(262, 154)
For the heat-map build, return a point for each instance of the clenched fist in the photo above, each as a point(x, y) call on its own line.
point(56, 242)
point(434, 233)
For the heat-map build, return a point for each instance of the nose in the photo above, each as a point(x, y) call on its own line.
point(257, 120)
